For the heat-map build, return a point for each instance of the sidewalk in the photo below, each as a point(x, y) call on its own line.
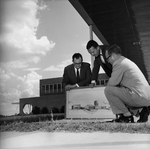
point(65, 140)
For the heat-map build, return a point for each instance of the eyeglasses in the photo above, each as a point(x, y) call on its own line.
point(77, 63)
point(108, 57)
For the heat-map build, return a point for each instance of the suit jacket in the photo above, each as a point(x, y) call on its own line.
point(127, 74)
point(98, 62)
point(69, 76)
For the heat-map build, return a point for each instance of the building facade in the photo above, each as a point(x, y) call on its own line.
point(52, 97)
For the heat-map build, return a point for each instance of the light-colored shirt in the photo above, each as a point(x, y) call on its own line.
point(76, 71)
point(101, 56)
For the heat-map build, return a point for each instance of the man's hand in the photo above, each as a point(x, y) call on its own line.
point(68, 87)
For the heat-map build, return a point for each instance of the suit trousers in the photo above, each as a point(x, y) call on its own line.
point(121, 99)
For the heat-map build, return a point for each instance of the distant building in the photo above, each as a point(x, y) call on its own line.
point(52, 97)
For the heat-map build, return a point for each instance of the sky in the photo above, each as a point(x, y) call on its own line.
point(37, 40)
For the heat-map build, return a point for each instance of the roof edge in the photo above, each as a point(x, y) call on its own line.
point(76, 4)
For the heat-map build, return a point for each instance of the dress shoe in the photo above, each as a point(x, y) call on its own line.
point(144, 115)
point(125, 119)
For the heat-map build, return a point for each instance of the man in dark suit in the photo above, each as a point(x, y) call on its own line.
point(77, 74)
point(98, 51)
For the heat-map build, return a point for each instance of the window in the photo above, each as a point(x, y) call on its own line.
point(59, 87)
point(43, 89)
point(55, 88)
point(51, 88)
point(102, 82)
point(47, 89)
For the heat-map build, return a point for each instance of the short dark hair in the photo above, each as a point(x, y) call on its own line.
point(114, 49)
point(77, 56)
point(91, 43)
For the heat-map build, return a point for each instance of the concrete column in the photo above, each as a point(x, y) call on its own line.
point(91, 38)
point(57, 87)
point(53, 88)
point(61, 87)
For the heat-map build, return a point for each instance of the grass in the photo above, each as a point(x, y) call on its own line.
point(76, 126)
point(30, 118)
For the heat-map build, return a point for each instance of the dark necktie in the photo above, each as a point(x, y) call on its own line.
point(78, 76)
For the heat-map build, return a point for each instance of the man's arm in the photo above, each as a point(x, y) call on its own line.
point(108, 69)
point(117, 75)
point(68, 87)
point(95, 70)
point(65, 78)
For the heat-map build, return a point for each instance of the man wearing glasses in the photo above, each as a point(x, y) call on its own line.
point(98, 51)
point(77, 74)
point(127, 90)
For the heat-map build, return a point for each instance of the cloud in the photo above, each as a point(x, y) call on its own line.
point(6, 100)
point(42, 6)
point(3, 76)
point(20, 64)
point(29, 85)
point(59, 67)
point(14, 87)
point(19, 26)
point(17, 64)
point(84, 45)
point(32, 69)
point(20, 49)
point(8, 96)
point(52, 68)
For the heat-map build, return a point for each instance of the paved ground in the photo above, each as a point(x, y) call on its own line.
point(64, 140)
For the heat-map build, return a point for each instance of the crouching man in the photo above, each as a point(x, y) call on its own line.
point(127, 89)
